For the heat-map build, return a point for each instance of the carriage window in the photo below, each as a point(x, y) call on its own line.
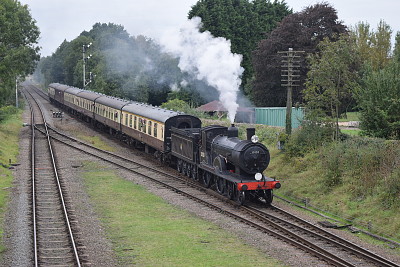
point(135, 123)
point(130, 121)
point(144, 126)
point(155, 129)
point(162, 132)
point(116, 116)
point(126, 119)
point(149, 128)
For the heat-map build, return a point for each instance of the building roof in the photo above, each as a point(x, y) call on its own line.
point(217, 106)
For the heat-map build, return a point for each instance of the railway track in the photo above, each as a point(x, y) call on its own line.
point(310, 238)
point(53, 236)
point(318, 239)
point(286, 226)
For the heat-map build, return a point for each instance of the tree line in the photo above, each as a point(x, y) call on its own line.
point(136, 68)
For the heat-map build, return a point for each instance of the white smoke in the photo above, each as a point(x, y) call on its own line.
point(207, 58)
point(184, 83)
point(174, 87)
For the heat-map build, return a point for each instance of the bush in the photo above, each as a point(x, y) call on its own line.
point(367, 165)
point(7, 111)
point(309, 137)
point(391, 196)
point(181, 106)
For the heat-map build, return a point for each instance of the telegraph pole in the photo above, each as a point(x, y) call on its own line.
point(16, 92)
point(290, 75)
point(84, 47)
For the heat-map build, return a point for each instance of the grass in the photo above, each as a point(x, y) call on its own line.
point(96, 142)
point(145, 230)
point(9, 132)
point(351, 132)
point(351, 116)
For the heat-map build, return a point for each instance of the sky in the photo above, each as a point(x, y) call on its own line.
point(60, 20)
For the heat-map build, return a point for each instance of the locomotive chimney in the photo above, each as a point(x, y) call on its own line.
point(233, 131)
point(250, 132)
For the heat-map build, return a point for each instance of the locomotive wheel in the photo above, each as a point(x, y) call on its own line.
point(207, 179)
point(240, 197)
point(188, 170)
point(230, 190)
point(220, 183)
point(268, 196)
point(184, 167)
point(195, 175)
point(179, 165)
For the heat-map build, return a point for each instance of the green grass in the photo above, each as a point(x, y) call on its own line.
point(351, 132)
point(96, 142)
point(145, 230)
point(351, 116)
point(9, 132)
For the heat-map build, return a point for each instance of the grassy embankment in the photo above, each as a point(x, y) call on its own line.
point(145, 230)
point(358, 179)
point(9, 131)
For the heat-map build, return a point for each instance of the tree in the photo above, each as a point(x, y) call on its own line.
point(243, 22)
point(124, 66)
point(374, 46)
point(300, 31)
point(18, 51)
point(332, 78)
point(396, 50)
point(176, 104)
point(379, 102)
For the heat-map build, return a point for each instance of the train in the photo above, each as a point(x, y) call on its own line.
point(213, 155)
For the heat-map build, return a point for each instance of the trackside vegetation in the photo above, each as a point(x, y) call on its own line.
point(357, 178)
point(10, 126)
point(145, 230)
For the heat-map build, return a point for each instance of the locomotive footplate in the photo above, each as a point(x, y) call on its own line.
point(245, 184)
point(264, 184)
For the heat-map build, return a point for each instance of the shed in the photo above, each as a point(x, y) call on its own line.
point(276, 116)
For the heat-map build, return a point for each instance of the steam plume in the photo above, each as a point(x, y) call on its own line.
point(207, 58)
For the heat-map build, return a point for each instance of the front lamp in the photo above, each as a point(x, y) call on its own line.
point(254, 139)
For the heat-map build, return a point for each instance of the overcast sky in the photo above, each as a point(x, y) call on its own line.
point(66, 19)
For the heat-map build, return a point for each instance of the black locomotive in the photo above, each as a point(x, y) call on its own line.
point(212, 155)
point(216, 156)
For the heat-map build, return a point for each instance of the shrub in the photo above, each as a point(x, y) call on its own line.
point(309, 137)
point(6, 111)
point(367, 165)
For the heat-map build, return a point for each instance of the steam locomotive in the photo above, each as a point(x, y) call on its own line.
point(212, 155)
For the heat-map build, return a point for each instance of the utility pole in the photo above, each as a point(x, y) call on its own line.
point(16, 92)
point(84, 59)
point(290, 78)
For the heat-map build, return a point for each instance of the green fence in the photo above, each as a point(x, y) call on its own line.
point(277, 116)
